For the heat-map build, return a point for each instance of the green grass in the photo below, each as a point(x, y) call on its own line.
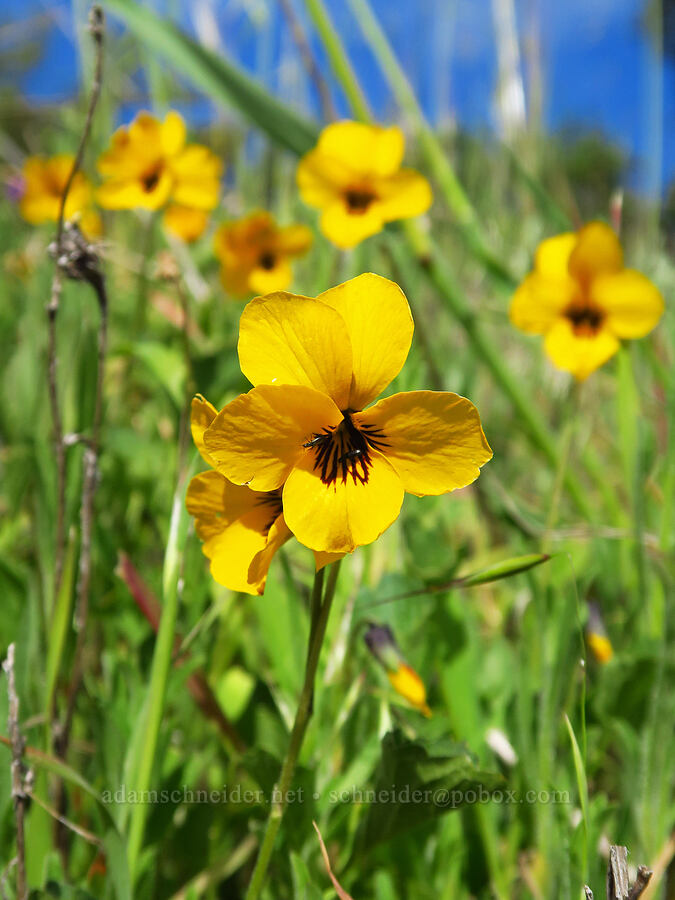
point(594, 743)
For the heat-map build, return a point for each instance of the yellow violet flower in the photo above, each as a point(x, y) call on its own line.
point(316, 365)
point(44, 182)
point(403, 678)
point(583, 300)
point(241, 529)
point(596, 636)
point(149, 166)
point(354, 177)
point(254, 254)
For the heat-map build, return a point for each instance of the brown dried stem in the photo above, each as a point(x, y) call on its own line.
point(307, 56)
point(19, 796)
point(96, 27)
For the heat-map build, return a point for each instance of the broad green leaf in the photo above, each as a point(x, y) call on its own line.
point(417, 781)
point(217, 77)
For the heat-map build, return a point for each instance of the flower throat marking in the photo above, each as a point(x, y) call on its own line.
point(345, 450)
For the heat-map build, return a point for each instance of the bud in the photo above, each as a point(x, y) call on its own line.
point(402, 677)
point(596, 635)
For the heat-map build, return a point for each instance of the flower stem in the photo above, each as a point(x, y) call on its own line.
point(302, 717)
point(338, 59)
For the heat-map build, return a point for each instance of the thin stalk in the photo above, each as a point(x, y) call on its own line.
point(308, 60)
point(302, 718)
point(434, 153)
point(338, 58)
point(161, 666)
point(96, 29)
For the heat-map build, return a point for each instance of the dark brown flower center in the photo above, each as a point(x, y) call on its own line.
point(272, 501)
point(267, 260)
point(586, 319)
point(345, 450)
point(358, 200)
point(150, 179)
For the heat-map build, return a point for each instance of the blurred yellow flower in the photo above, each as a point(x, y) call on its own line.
point(241, 529)
point(596, 636)
point(403, 678)
point(149, 166)
point(44, 180)
point(315, 364)
point(354, 177)
point(583, 300)
point(254, 254)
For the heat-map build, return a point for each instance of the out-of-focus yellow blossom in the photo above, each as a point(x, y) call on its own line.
point(354, 177)
point(241, 529)
point(596, 636)
point(402, 677)
point(44, 180)
point(149, 166)
point(583, 300)
point(255, 254)
point(307, 425)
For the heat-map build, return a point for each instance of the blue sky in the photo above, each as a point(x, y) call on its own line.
point(598, 67)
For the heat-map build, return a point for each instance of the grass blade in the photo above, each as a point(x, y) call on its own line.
point(217, 77)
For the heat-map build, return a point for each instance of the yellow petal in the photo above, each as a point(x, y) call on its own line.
point(553, 255)
point(597, 251)
point(258, 437)
point(279, 533)
point(433, 439)
point(91, 223)
point(579, 354)
point(232, 552)
point(185, 222)
point(600, 646)
point(130, 194)
point(380, 328)
point(539, 300)
point(294, 240)
point(363, 148)
point(633, 304)
point(145, 130)
point(235, 280)
point(405, 194)
point(410, 686)
point(215, 502)
point(347, 229)
point(339, 517)
point(321, 559)
point(266, 280)
point(202, 414)
point(172, 133)
point(287, 339)
point(321, 179)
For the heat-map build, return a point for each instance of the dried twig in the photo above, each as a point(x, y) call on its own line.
point(305, 50)
point(339, 890)
point(19, 796)
point(79, 261)
point(96, 27)
point(641, 881)
point(618, 882)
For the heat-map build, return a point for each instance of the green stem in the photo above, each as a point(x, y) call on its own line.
point(434, 153)
point(338, 58)
point(161, 665)
point(300, 724)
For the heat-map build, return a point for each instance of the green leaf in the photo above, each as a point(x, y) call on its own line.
point(217, 77)
point(417, 781)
